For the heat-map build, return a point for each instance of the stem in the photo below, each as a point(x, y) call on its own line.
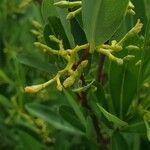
point(100, 68)
point(67, 4)
point(45, 48)
point(84, 57)
point(73, 14)
point(83, 99)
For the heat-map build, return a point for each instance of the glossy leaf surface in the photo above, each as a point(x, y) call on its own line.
point(101, 18)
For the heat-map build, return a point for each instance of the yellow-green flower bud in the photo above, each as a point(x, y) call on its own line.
point(138, 63)
point(82, 65)
point(24, 4)
point(119, 61)
point(69, 81)
point(128, 57)
point(36, 24)
point(137, 28)
point(131, 12)
point(73, 14)
point(67, 4)
point(132, 47)
point(33, 88)
point(59, 87)
point(131, 6)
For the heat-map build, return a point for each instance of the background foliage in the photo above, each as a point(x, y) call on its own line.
point(61, 120)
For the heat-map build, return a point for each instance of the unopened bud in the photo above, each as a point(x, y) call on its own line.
point(60, 87)
point(137, 28)
point(138, 63)
point(24, 4)
point(119, 61)
point(131, 12)
point(70, 15)
point(83, 64)
point(33, 88)
point(116, 59)
point(36, 24)
point(73, 14)
point(35, 32)
point(53, 38)
point(128, 57)
point(69, 81)
point(131, 6)
point(132, 47)
point(67, 4)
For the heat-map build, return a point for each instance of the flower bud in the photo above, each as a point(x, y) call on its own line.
point(82, 65)
point(70, 16)
point(36, 24)
point(132, 47)
point(67, 4)
point(69, 81)
point(59, 87)
point(128, 57)
point(33, 88)
point(137, 28)
point(131, 6)
point(119, 61)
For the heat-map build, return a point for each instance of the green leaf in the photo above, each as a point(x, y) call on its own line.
point(138, 127)
point(100, 94)
point(28, 142)
point(101, 18)
point(90, 130)
point(92, 101)
point(75, 107)
point(148, 129)
point(140, 12)
point(115, 120)
point(69, 115)
point(66, 24)
point(51, 117)
point(28, 128)
point(145, 69)
point(55, 27)
point(5, 102)
point(36, 62)
point(118, 142)
point(4, 77)
point(147, 5)
point(48, 9)
point(123, 79)
point(78, 33)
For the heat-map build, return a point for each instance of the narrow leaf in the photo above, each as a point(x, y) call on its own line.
point(48, 9)
point(145, 71)
point(112, 118)
point(55, 27)
point(75, 107)
point(138, 127)
point(5, 102)
point(118, 142)
point(51, 117)
point(69, 115)
point(66, 24)
point(4, 77)
point(123, 79)
point(36, 62)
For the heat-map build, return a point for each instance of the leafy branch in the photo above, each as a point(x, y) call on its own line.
point(70, 55)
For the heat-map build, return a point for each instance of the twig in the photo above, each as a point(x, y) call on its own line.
point(100, 68)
